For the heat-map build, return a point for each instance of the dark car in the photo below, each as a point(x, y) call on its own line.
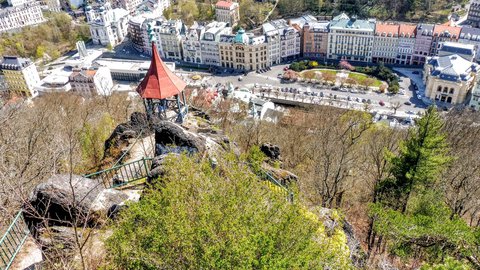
point(408, 103)
point(381, 103)
point(416, 72)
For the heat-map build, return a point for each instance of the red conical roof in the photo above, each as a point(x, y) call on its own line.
point(160, 82)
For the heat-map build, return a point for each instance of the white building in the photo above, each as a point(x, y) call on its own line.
point(209, 42)
point(351, 39)
point(168, 37)
point(108, 26)
point(128, 70)
point(475, 98)
point(284, 41)
point(449, 79)
point(20, 75)
point(51, 5)
point(153, 7)
point(128, 5)
point(385, 43)
point(406, 43)
point(20, 15)
point(192, 52)
point(91, 81)
point(467, 51)
point(470, 35)
point(227, 11)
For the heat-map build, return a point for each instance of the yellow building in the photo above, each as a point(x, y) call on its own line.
point(243, 51)
point(20, 75)
point(449, 79)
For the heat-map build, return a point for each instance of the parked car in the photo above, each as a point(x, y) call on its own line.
point(240, 78)
point(381, 103)
point(416, 72)
point(364, 100)
point(285, 68)
point(335, 88)
point(369, 101)
point(349, 98)
point(321, 94)
point(408, 103)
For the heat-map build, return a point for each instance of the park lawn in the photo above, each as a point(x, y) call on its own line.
point(360, 77)
point(304, 73)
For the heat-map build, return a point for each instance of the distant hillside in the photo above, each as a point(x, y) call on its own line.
point(409, 10)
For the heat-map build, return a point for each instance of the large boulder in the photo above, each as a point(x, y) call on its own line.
point(119, 140)
point(158, 166)
point(75, 201)
point(172, 138)
point(271, 151)
point(283, 176)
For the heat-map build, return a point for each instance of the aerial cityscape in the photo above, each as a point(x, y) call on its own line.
point(239, 134)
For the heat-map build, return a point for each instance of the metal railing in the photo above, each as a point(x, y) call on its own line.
point(275, 184)
point(123, 174)
point(12, 241)
point(119, 175)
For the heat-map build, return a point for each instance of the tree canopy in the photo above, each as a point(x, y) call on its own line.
point(196, 217)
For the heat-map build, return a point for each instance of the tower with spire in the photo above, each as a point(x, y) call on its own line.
point(162, 91)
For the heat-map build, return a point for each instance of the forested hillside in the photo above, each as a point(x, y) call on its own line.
point(418, 10)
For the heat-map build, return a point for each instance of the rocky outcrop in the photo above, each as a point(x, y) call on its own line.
point(74, 201)
point(271, 151)
point(283, 176)
point(118, 142)
point(332, 221)
point(172, 138)
point(158, 169)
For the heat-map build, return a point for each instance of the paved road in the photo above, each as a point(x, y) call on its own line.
point(270, 78)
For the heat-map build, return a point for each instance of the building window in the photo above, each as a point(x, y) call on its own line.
point(445, 90)
point(451, 90)
point(439, 89)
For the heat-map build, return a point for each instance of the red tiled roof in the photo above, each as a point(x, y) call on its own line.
point(453, 30)
point(407, 30)
point(386, 28)
point(160, 82)
point(224, 4)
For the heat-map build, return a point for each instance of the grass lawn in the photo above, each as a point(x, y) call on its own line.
point(360, 77)
point(306, 73)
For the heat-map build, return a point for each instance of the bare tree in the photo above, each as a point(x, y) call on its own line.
point(395, 105)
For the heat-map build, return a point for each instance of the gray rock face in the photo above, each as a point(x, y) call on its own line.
point(158, 169)
point(271, 151)
point(172, 138)
point(68, 202)
point(357, 255)
point(137, 127)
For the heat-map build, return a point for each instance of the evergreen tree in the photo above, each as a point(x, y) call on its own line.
point(410, 210)
point(421, 159)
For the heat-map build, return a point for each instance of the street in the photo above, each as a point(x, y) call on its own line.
point(270, 79)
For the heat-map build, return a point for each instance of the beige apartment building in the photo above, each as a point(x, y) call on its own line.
point(227, 11)
point(385, 43)
point(243, 51)
point(449, 79)
point(315, 39)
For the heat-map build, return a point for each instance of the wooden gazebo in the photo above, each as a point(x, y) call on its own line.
point(162, 91)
